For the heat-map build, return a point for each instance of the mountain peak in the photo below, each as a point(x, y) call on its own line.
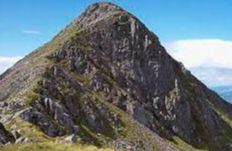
point(105, 5)
point(98, 11)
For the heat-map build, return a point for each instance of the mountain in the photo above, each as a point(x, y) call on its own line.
point(225, 92)
point(106, 80)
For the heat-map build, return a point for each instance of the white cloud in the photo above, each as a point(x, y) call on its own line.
point(32, 32)
point(213, 76)
point(7, 62)
point(204, 52)
point(209, 59)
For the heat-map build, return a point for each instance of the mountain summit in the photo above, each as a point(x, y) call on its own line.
point(106, 80)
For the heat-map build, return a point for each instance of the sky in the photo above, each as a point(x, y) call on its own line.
point(195, 32)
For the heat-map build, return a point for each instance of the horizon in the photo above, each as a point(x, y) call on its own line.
point(201, 40)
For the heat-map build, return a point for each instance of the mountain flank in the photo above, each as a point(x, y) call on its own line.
point(106, 80)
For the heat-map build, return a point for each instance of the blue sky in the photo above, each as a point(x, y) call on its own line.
point(182, 26)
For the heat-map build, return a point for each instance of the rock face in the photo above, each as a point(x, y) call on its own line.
point(107, 62)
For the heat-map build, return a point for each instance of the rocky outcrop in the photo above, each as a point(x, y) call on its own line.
point(63, 106)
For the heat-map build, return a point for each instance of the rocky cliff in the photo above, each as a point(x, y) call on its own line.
point(107, 80)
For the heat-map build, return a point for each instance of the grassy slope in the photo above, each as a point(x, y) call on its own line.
point(40, 142)
point(51, 146)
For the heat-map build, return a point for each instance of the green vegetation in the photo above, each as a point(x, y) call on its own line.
point(130, 130)
point(107, 132)
point(51, 146)
point(38, 141)
point(227, 130)
point(31, 98)
point(182, 145)
point(85, 131)
point(34, 94)
point(56, 43)
point(123, 18)
point(28, 130)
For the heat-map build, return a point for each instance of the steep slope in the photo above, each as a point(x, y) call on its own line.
point(107, 80)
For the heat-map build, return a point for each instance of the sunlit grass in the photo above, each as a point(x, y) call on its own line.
point(51, 146)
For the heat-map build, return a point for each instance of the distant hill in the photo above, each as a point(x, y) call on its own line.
point(225, 92)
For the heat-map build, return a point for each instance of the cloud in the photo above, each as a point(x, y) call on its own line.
point(7, 62)
point(208, 59)
point(32, 32)
point(213, 76)
point(204, 52)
